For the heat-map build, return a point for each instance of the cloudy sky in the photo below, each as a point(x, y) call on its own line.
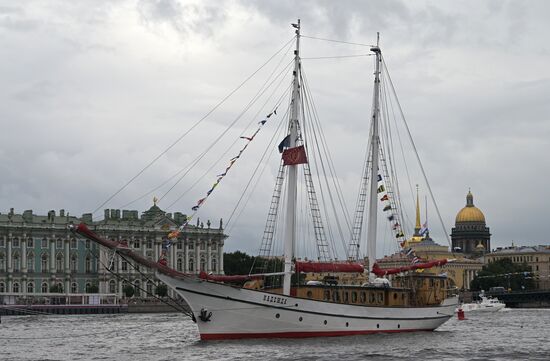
point(91, 92)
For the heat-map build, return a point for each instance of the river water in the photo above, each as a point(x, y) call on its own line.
point(506, 335)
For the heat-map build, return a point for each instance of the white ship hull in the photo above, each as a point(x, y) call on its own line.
point(245, 313)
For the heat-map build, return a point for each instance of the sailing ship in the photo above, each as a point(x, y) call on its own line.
point(247, 306)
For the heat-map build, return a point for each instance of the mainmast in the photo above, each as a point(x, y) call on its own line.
point(375, 143)
point(290, 220)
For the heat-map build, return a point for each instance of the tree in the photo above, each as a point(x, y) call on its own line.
point(161, 290)
point(128, 291)
point(503, 273)
point(237, 263)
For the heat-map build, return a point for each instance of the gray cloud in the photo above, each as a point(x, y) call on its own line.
point(92, 91)
point(202, 18)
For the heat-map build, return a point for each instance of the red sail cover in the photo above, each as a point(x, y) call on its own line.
point(390, 271)
point(296, 155)
point(302, 266)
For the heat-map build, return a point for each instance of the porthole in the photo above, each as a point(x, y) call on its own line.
point(377, 325)
point(398, 326)
point(347, 324)
point(300, 319)
point(277, 315)
point(325, 322)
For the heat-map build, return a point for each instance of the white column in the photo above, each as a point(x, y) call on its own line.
point(24, 255)
point(157, 247)
point(209, 256)
point(173, 251)
point(9, 258)
point(67, 255)
point(23, 287)
point(186, 255)
point(52, 254)
point(197, 255)
point(220, 257)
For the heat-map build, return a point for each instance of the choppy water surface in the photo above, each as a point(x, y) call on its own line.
point(505, 335)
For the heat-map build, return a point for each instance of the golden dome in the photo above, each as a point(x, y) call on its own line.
point(470, 213)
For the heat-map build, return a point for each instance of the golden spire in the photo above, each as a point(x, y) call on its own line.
point(417, 225)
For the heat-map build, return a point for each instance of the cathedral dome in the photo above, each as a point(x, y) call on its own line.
point(470, 213)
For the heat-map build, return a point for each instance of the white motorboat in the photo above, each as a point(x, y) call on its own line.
point(487, 304)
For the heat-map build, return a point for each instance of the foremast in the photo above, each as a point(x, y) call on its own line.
point(290, 215)
point(375, 144)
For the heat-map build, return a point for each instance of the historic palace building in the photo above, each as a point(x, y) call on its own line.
point(38, 254)
point(537, 257)
point(470, 234)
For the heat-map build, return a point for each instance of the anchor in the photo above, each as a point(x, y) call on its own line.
point(205, 315)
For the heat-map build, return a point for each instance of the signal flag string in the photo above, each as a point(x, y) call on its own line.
point(174, 234)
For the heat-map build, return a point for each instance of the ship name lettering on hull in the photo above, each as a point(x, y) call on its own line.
point(275, 299)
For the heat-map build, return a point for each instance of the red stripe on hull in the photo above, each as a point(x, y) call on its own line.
point(235, 336)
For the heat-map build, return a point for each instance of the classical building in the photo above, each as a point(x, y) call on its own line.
point(537, 257)
point(470, 234)
point(38, 252)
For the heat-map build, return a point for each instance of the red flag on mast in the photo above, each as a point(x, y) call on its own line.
point(296, 155)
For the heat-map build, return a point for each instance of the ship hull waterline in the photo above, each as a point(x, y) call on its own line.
point(240, 313)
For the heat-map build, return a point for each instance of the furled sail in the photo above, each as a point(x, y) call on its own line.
point(305, 266)
point(391, 271)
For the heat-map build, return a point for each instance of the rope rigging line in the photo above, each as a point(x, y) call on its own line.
point(119, 277)
point(324, 144)
point(174, 234)
point(393, 181)
point(234, 142)
point(194, 162)
point(417, 156)
point(336, 41)
point(336, 57)
point(252, 102)
point(316, 152)
point(388, 98)
point(354, 246)
point(270, 148)
point(322, 148)
point(166, 150)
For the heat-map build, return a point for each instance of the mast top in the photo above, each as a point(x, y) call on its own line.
point(376, 49)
